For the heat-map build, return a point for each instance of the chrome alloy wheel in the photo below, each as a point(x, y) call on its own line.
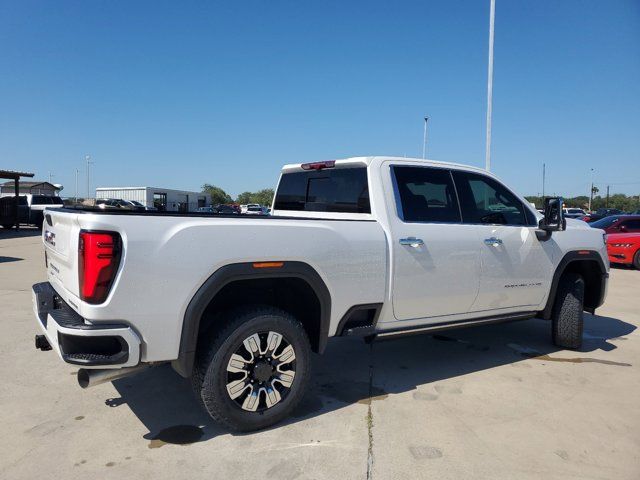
point(261, 371)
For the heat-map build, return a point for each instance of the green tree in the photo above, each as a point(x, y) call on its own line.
point(218, 195)
point(263, 197)
point(244, 198)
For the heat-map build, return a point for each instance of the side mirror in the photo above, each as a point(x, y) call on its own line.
point(553, 220)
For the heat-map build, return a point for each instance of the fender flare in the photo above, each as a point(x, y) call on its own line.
point(573, 257)
point(227, 274)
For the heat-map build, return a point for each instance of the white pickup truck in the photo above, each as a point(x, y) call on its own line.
point(368, 246)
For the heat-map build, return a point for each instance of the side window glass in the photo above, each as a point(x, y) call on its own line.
point(632, 225)
point(426, 195)
point(483, 200)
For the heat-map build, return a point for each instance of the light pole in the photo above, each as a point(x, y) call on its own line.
point(591, 191)
point(487, 157)
point(51, 175)
point(424, 139)
point(89, 162)
point(543, 179)
point(76, 197)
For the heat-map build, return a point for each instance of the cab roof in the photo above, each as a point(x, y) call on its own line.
point(368, 161)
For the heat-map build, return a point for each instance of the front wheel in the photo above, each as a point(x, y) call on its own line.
point(253, 372)
point(636, 260)
point(568, 312)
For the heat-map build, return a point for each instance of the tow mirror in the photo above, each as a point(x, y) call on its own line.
point(553, 220)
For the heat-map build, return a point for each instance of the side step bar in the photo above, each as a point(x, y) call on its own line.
point(437, 327)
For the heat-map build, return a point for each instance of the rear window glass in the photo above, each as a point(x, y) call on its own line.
point(57, 201)
point(331, 190)
point(40, 200)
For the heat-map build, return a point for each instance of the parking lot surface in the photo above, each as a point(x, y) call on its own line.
point(488, 402)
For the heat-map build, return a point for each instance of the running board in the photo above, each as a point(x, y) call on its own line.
point(437, 327)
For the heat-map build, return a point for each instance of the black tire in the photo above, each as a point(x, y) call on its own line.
point(210, 375)
point(568, 312)
point(636, 260)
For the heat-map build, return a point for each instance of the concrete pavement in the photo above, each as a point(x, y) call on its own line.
point(487, 402)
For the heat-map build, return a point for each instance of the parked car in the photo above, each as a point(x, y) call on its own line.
point(255, 209)
point(602, 213)
point(226, 210)
point(119, 204)
point(8, 211)
point(30, 208)
point(253, 206)
point(574, 213)
point(210, 210)
point(618, 224)
point(376, 247)
point(624, 248)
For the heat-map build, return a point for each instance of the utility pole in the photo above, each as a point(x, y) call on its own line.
point(606, 204)
point(591, 191)
point(51, 175)
point(424, 139)
point(543, 178)
point(492, 15)
point(76, 197)
point(89, 163)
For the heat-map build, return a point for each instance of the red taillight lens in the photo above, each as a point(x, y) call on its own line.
point(318, 165)
point(98, 260)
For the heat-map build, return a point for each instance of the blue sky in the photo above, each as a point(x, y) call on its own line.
point(177, 94)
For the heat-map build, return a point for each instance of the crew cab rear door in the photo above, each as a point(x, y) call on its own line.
point(435, 258)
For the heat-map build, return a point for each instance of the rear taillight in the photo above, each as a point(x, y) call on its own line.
point(98, 259)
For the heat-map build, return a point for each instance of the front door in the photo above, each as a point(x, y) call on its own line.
point(436, 259)
point(516, 265)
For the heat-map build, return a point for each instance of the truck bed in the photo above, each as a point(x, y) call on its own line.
point(167, 256)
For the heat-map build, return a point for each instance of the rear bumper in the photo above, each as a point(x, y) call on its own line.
point(78, 342)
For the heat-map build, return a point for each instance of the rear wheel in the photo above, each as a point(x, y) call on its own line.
point(253, 372)
point(568, 312)
point(636, 260)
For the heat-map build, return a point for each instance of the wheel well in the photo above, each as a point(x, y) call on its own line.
point(593, 284)
point(291, 294)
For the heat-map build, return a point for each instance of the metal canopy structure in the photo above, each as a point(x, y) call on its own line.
point(15, 176)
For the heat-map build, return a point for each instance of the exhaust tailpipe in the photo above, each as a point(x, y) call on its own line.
point(90, 378)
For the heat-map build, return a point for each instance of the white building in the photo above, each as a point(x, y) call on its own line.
point(164, 199)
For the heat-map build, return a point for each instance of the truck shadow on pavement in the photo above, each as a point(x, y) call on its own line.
point(10, 259)
point(22, 233)
point(352, 372)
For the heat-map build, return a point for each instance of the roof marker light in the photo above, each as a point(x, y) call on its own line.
point(319, 165)
point(268, 264)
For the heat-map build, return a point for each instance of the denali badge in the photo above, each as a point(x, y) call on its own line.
point(517, 285)
point(50, 238)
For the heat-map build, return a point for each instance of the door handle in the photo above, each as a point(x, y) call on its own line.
point(493, 242)
point(412, 242)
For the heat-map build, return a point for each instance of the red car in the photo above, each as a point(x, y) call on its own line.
point(624, 248)
point(618, 224)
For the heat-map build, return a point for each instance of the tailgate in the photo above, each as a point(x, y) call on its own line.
point(60, 237)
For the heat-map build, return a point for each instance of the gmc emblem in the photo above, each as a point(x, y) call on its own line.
point(50, 238)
